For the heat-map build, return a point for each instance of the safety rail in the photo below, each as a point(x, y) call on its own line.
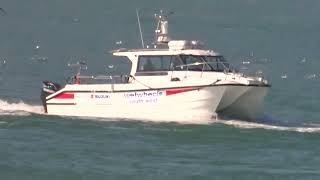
point(205, 67)
point(218, 66)
point(99, 79)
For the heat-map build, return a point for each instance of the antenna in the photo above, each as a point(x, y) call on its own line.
point(161, 32)
point(141, 36)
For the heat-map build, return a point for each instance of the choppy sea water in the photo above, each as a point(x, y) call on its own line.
point(38, 39)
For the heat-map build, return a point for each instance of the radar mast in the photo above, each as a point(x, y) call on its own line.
point(161, 32)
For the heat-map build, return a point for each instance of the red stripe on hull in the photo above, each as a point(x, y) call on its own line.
point(177, 91)
point(65, 96)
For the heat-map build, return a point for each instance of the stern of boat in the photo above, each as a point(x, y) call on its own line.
point(48, 88)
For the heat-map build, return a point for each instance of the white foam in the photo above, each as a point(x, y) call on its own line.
point(153, 119)
point(235, 123)
point(20, 108)
point(253, 125)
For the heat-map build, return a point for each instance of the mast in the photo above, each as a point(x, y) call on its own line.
point(140, 30)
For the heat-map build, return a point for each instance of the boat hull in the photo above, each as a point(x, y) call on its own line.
point(171, 104)
point(243, 102)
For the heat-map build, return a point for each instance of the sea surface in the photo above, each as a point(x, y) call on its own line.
point(39, 38)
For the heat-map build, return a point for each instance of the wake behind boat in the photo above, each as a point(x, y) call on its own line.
point(172, 80)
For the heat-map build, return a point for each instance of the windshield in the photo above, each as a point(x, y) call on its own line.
point(217, 63)
point(205, 63)
point(182, 63)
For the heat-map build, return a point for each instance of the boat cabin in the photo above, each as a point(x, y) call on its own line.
point(146, 62)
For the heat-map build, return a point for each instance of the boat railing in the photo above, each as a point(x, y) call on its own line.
point(205, 67)
point(99, 79)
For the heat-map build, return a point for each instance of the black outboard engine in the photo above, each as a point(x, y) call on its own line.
point(48, 88)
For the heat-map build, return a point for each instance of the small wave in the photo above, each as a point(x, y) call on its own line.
point(254, 125)
point(20, 108)
point(268, 124)
point(152, 119)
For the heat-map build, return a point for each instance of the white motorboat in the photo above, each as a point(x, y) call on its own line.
point(172, 80)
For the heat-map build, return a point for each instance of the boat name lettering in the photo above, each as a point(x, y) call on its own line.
point(100, 96)
point(143, 94)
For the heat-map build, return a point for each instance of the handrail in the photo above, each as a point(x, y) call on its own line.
point(107, 79)
point(223, 67)
point(205, 63)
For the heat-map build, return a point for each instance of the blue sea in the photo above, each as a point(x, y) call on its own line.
point(39, 38)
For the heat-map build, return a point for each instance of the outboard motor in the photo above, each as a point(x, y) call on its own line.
point(48, 88)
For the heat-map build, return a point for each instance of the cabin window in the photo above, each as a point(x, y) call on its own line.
point(193, 63)
point(177, 64)
point(182, 63)
point(217, 63)
point(158, 63)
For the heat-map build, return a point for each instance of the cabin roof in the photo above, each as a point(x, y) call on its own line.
point(163, 52)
